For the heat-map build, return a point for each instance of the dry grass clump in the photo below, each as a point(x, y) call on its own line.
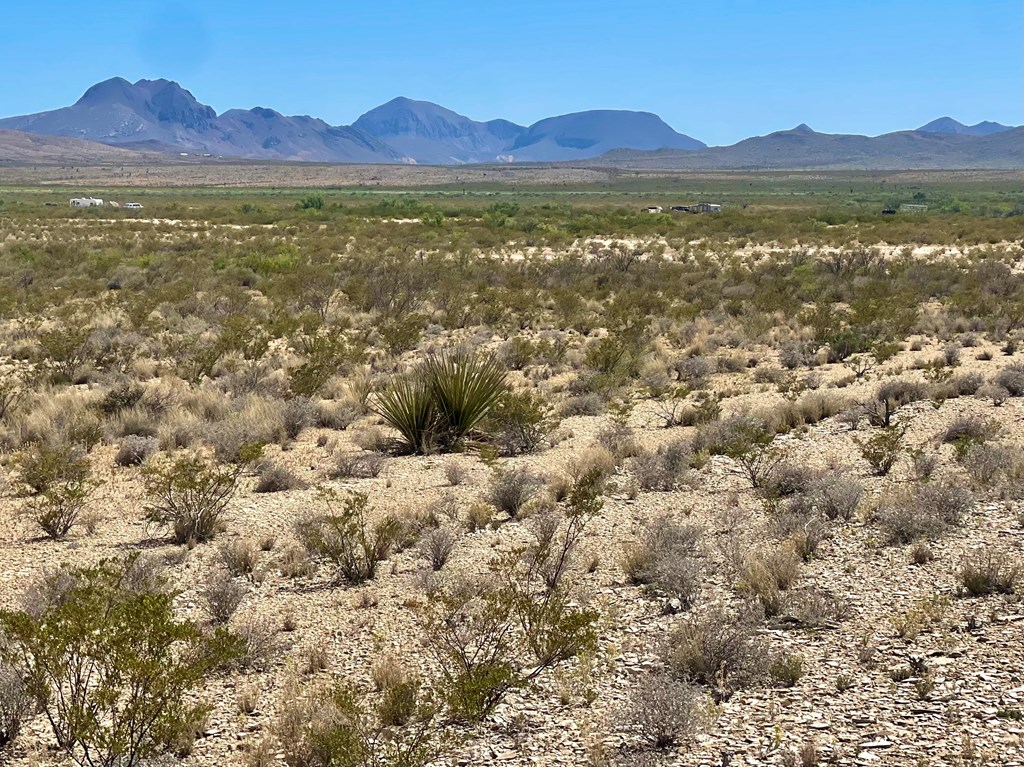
point(16, 705)
point(665, 468)
point(925, 511)
point(592, 459)
point(134, 450)
point(275, 478)
point(239, 556)
point(455, 472)
point(364, 465)
point(719, 651)
point(766, 575)
point(222, 594)
point(254, 421)
point(970, 429)
point(666, 712)
point(1011, 378)
point(988, 572)
point(436, 546)
point(260, 644)
point(510, 490)
point(831, 496)
point(666, 559)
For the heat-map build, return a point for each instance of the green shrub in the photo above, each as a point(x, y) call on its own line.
point(188, 496)
point(883, 448)
point(519, 422)
point(333, 727)
point(346, 536)
point(491, 636)
point(58, 507)
point(44, 465)
point(111, 666)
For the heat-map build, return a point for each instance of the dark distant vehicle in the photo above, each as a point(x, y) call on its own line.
point(889, 212)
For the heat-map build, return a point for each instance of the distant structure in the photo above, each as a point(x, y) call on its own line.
point(86, 202)
point(652, 209)
point(912, 208)
point(700, 207)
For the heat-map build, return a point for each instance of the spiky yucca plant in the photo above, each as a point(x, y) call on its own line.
point(437, 406)
point(407, 405)
point(464, 387)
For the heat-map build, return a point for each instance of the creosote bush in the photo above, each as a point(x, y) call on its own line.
point(111, 667)
point(188, 496)
point(492, 635)
point(883, 448)
point(348, 537)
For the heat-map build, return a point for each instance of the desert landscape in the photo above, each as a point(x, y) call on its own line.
point(390, 465)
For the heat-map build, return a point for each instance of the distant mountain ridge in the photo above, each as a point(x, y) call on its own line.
point(949, 125)
point(804, 149)
point(161, 116)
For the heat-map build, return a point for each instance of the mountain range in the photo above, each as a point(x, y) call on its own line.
point(159, 116)
point(804, 148)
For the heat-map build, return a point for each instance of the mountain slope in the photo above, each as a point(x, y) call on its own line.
point(20, 148)
point(949, 125)
point(800, 149)
point(426, 132)
point(160, 114)
point(583, 135)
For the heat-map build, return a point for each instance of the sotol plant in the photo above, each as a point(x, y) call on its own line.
point(438, 405)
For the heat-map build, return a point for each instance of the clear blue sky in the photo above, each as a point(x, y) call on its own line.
point(718, 71)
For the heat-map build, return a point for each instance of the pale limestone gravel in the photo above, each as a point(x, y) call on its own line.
point(876, 722)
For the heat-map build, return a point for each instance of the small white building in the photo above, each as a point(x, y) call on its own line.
point(86, 202)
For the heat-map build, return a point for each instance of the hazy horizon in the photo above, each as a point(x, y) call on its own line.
point(717, 74)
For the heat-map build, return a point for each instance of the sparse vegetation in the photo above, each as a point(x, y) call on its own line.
point(406, 351)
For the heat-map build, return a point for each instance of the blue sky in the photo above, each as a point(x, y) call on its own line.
point(718, 71)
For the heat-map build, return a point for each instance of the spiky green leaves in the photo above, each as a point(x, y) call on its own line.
point(437, 406)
